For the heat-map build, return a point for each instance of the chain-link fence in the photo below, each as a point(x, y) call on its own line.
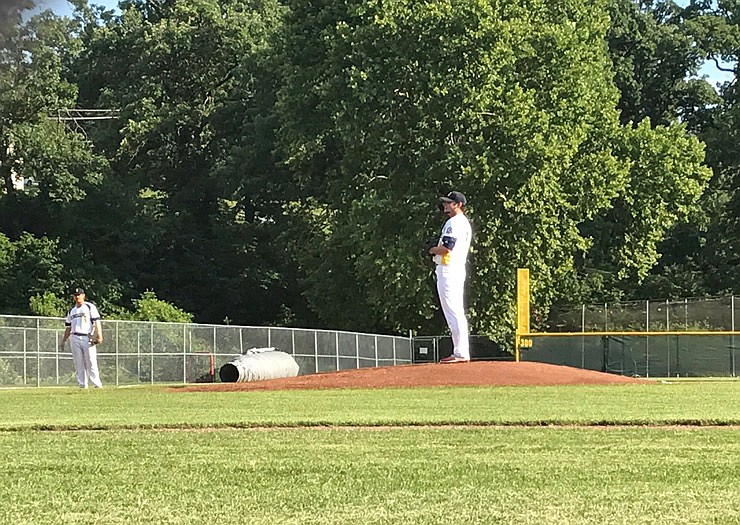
point(699, 338)
point(430, 349)
point(645, 316)
point(147, 352)
point(673, 354)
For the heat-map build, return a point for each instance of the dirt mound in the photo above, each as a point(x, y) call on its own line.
point(482, 373)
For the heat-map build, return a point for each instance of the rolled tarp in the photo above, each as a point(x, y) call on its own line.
point(258, 364)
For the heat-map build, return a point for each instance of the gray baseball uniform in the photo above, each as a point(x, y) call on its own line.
point(81, 321)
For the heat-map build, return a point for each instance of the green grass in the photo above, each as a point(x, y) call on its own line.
point(214, 469)
point(158, 407)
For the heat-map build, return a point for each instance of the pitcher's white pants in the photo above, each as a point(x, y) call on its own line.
point(451, 289)
point(85, 357)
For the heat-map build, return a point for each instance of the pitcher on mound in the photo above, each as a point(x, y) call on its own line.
point(450, 257)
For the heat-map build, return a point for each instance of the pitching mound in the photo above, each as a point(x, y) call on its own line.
point(483, 373)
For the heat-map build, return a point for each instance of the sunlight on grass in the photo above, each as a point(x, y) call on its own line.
point(168, 457)
point(342, 476)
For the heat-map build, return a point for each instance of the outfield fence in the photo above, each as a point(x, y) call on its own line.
point(695, 314)
point(137, 352)
point(687, 337)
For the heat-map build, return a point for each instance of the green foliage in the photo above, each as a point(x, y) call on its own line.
point(28, 267)
point(290, 156)
point(48, 305)
point(400, 102)
point(655, 47)
point(149, 308)
point(34, 56)
point(59, 164)
point(192, 151)
point(666, 180)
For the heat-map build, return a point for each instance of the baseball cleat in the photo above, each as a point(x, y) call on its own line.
point(453, 359)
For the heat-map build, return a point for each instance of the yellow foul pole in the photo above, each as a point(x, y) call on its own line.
point(522, 311)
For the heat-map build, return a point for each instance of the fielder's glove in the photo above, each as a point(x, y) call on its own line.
point(429, 244)
point(94, 340)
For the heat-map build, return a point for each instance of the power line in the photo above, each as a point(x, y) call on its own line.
point(79, 116)
point(82, 115)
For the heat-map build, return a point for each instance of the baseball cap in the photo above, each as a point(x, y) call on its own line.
point(78, 291)
point(455, 196)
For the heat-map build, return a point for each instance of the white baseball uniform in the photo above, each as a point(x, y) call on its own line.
point(450, 270)
point(81, 320)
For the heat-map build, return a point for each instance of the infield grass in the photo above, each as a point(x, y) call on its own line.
point(160, 407)
point(349, 456)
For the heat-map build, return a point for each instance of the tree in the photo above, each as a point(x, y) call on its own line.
point(47, 169)
point(666, 180)
point(10, 15)
point(32, 87)
point(656, 48)
point(187, 79)
point(148, 308)
point(48, 304)
point(387, 105)
point(29, 267)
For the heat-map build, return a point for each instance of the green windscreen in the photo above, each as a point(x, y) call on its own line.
point(640, 355)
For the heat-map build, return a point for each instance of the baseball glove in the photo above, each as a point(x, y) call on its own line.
point(94, 339)
point(429, 244)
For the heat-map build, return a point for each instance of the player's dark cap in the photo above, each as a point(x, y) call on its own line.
point(455, 196)
point(78, 291)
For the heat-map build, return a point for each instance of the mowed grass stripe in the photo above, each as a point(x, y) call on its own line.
point(666, 425)
point(161, 408)
point(475, 455)
point(390, 476)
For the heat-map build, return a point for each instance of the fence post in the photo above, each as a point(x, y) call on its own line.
point(138, 355)
point(606, 317)
point(668, 340)
point(38, 353)
point(336, 347)
point(357, 351)
point(732, 338)
point(185, 350)
point(151, 351)
point(668, 346)
point(647, 339)
point(583, 339)
point(667, 316)
point(316, 350)
point(56, 354)
point(116, 349)
point(583, 317)
point(686, 314)
point(25, 358)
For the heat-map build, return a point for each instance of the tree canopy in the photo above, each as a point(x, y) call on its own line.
point(279, 162)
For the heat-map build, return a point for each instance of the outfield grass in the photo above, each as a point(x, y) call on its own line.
point(176, 458)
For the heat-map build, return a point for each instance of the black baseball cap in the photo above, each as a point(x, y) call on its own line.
point(455, 196)
point(78, 291)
